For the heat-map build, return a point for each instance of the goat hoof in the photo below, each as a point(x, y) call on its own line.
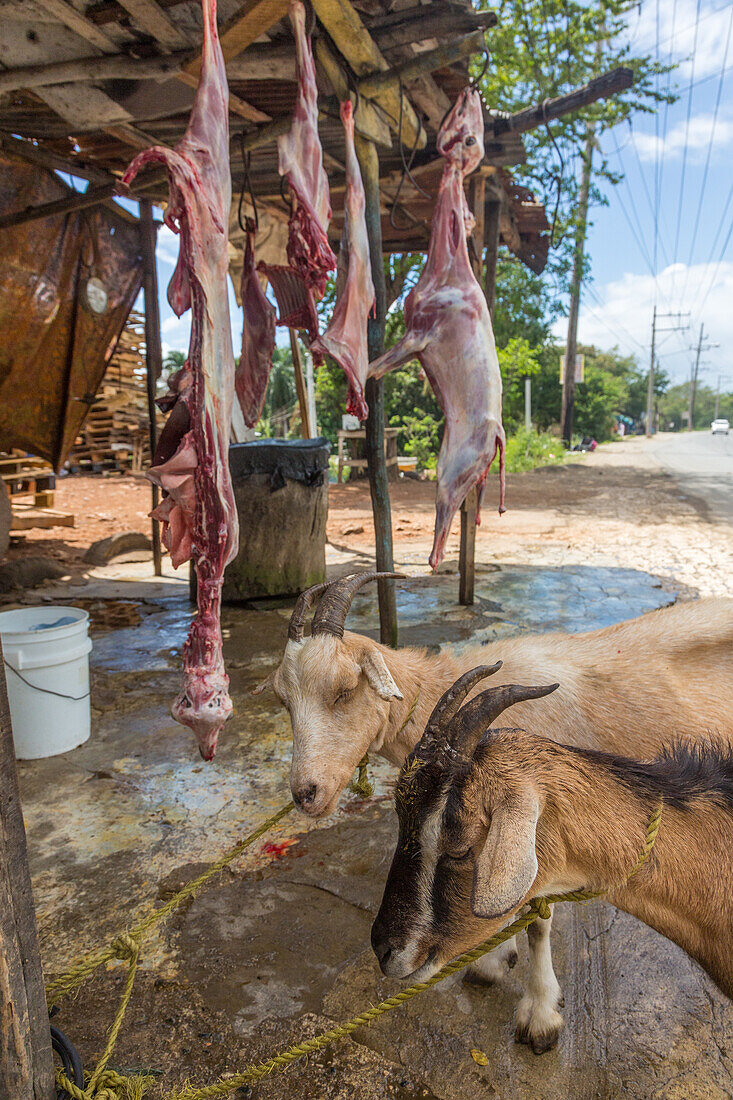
point(537, 1025)
point(492, 968)
point(561, 1001)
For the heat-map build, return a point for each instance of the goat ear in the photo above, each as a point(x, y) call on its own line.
point(507, 864)
point(268, 682)
point(380, 678)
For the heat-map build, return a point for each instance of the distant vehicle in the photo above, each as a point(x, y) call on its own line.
point(720, 426)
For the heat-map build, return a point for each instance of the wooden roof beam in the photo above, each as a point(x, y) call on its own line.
point(426, 62)
point(367, 120)
point(617, 80)
point(91, 69)
point(410, 25)
point(68, 15)
point(153, 20)
point(353, 41)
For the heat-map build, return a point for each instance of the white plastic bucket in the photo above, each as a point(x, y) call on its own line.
point(46, 651)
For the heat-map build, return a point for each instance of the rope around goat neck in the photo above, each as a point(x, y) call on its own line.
point(361, 785)
point(114, 1086)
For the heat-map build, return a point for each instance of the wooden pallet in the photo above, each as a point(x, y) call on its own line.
point(27, 516)
point(115, 434)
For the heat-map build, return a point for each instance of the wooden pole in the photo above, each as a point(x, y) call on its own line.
point(306, 428)
point(491, 230)
point(368, 158)
point(26, 1064)
point(153, 352)
point(469, 507)
point(571, 346)
point(617, 80)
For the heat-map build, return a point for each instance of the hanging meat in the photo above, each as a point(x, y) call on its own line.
point(301, 162)
point(345, 339)
point(310, 256)
point(191, 462)
point(449, 331)
point(258, 337)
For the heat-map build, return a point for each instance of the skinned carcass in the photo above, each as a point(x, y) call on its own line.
point(345, 339)
point(300, 160)
point(449, 331)
point(258, 337)
point(191, 462)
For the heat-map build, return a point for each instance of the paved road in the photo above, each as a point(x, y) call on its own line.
point(703, 465)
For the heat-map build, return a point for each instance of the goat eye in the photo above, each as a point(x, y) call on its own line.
point(459, 857)
point(470, 140)
point(343, 696)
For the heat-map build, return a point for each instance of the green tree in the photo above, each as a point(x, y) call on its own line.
point(541, 49)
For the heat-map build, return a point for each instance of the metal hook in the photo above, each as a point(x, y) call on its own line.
point(246, 183)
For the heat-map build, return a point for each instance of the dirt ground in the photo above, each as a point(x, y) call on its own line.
point(614, 507)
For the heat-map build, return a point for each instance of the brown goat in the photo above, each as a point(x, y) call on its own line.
point(491, 819)
point(626, 689)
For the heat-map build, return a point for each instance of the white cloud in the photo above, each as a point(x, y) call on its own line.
point(168, 244)
point(623, 317)
point(677, 39)
point(697, 138)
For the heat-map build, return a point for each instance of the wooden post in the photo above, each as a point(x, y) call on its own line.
point(153, 352)
point(305, 419)
point(491, 230)
point(571, 344)
point(26, 1065)
point(368, 157)
point(467, 552)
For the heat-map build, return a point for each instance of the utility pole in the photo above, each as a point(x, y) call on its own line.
point(571, 346)
point(650, 388)
point(693, 379)
point(676, 326)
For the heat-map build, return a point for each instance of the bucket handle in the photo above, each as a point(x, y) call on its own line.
point(46, 691)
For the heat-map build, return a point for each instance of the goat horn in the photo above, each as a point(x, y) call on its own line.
point(331, 612)
point(447, 706)
point(469, 724)
point(302, 607)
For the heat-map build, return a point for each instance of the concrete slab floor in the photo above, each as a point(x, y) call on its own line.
point(279, 948)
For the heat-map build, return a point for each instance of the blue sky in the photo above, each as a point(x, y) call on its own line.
point(664, 236)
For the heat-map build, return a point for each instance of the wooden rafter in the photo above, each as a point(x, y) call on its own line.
point(354, 42)
point(154, 21)
point(71, 18)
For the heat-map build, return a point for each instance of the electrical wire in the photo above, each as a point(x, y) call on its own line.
point(709, 154)
point(687, 134)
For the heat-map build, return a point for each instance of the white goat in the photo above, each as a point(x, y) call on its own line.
point(626, 689)
point(491, 819)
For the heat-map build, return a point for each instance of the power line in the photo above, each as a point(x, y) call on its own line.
point(722, 253)
point(709, 154)
point(687, 134)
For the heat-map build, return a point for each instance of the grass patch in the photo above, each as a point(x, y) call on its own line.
point(528, 450)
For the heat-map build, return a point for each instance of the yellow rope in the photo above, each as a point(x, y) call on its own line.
point(119, 948)
point(361, 784)
point(113, 1086)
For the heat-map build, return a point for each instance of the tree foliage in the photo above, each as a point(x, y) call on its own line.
point(541, 49)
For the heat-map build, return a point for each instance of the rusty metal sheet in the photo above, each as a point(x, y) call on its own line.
point(67, 284)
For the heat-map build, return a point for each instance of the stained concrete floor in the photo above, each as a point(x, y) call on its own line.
point(279, 948)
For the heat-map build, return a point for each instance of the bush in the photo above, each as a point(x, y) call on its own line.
point(527, 450)
point(421, 438)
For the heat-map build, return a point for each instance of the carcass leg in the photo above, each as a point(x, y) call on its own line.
point(409, 347)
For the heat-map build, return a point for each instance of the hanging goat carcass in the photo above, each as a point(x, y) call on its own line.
point(345, 339)
point(449, 331)
point(298, 286)
point(191, 464)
